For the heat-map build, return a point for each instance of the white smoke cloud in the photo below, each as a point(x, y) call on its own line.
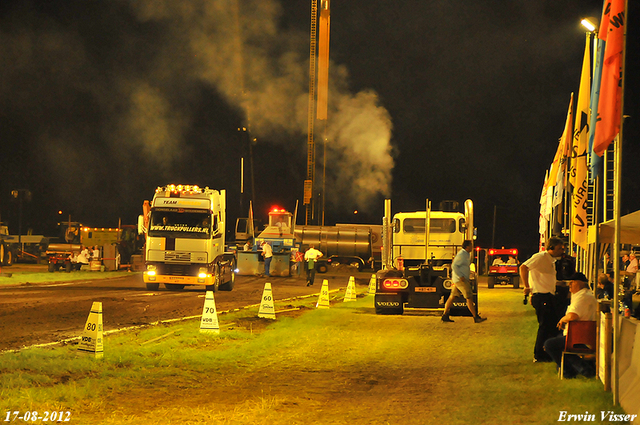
point(125, 100)
point(237, 47)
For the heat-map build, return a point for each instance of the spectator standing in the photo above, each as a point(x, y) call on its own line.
point(298, 258)
point(267, 253)
point(311, 256)
point(95, 255)
point(538, 275)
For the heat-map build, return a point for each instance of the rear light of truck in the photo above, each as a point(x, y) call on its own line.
point(395, 283)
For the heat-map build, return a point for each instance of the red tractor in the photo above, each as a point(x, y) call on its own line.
point(503, 267)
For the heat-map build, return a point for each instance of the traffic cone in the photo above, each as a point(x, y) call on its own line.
point(209, 322)
point(91, 341)
point(323, 299)
point(350, 295)
point(372, 285)
point(267, 309)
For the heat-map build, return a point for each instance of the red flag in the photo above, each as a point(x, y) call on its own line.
point(609, 104)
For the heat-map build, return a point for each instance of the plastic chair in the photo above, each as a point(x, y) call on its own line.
point(581, 340)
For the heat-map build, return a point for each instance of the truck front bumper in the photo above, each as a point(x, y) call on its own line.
point(177, 280)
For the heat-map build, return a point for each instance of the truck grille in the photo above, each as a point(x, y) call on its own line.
point(177, 256)
point(177, 270)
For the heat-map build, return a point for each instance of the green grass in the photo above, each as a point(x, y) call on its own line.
point(342, 365)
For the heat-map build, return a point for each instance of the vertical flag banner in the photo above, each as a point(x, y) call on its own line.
point(595, 160)
point(580, 141)
point(543, 206)
point(562, 156)
point(610, 101)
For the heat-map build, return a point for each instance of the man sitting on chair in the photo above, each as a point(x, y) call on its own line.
point(582, 307)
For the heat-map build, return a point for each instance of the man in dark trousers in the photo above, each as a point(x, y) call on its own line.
point(538, 275)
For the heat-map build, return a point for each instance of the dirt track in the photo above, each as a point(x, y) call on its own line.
point(44, 313)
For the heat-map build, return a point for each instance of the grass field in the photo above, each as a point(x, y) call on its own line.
point(342, 365)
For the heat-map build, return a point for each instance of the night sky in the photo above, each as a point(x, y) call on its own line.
point(101, 102)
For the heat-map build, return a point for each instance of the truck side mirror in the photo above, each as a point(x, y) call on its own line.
point(141, 229)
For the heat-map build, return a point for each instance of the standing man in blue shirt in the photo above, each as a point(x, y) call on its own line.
point(461, 269)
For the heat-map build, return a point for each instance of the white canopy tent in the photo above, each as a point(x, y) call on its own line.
point(629, 229)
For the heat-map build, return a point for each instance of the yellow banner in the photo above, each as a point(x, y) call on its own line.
point(579, 199)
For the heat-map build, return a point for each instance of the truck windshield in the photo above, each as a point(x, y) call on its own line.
point(181, 223)
point(437, 225)
point(279, 220)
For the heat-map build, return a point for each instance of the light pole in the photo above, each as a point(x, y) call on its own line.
point(20, 195)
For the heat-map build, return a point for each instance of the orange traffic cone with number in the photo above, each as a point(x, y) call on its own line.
point(209, 322)
point(350, 295)
point(91, 341)
point(372, 285)
point(323, 298)
point(267, 309)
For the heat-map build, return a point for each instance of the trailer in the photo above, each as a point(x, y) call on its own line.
point(341, 244)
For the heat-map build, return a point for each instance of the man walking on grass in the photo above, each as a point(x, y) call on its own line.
point(461, 269)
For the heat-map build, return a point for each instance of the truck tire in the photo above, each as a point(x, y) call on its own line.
point(51, 267)
point(322, 267)
point(9, 257)
point(491, 281)
point(153, 286)
point(228, 285)
point(67, 267)
point(173, 287)
point(515, 280)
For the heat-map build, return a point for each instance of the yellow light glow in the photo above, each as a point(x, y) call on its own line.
point(588, 25)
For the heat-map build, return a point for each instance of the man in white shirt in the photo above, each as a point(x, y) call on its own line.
point(267, 252)
point(83, 257)
point(630, 271)
point(538, 275)
point(583, 307)
point(311, 256)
